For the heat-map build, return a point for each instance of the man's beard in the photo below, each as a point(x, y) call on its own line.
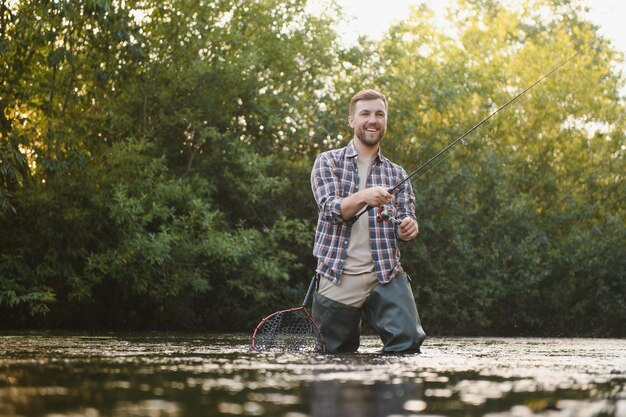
point(367, 138)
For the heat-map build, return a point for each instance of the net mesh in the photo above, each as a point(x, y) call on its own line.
point(288, 331)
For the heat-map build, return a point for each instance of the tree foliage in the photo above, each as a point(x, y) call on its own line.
point(155, 159)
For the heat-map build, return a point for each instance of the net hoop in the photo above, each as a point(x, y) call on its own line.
point(288, 330)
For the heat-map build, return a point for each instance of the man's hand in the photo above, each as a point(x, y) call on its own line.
point(408, 230)
point(374, 197)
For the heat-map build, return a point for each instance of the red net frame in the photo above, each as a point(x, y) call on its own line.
point(292, 330)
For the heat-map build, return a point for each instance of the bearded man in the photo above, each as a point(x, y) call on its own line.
point(358, 262)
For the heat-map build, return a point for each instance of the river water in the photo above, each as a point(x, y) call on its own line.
point(159, 374)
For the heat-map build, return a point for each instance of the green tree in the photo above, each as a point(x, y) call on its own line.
point(155, 160)
point(497, 252)
point(141, 122)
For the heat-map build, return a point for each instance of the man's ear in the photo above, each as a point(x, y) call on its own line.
point(350, 120)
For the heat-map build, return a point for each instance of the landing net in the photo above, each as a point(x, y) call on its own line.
point(291, 330)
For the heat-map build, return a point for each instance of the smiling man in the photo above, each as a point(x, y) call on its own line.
point(359, 261)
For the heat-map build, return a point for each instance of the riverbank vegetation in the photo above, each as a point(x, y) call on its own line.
point(155, 160)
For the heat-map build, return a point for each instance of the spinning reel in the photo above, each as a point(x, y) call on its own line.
point(382, 215)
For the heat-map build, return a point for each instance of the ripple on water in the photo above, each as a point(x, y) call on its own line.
point(189, 375)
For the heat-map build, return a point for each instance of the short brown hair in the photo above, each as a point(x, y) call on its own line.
point(366, 95)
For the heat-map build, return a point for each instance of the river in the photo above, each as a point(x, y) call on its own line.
point(165, 374)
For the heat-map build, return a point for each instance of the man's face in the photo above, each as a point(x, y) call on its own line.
point(369, 121)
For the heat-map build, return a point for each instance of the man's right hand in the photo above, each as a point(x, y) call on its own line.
point(373, 196)
point(376, 196)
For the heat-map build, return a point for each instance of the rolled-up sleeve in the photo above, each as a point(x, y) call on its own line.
point(326, 186)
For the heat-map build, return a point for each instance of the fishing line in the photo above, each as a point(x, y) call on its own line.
point(476, 126)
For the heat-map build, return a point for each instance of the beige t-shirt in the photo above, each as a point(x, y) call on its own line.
point(359, 258)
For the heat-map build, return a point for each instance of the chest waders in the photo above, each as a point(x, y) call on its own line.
point(390, 309)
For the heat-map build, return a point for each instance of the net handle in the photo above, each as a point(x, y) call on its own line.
point(310, 290)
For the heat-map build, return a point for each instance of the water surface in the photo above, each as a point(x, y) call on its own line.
point(158, 374)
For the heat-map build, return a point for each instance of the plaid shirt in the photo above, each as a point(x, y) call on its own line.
point(334, 176)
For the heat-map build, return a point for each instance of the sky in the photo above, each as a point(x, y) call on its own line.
point(373, 17)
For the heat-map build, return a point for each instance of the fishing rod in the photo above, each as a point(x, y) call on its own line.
point(383, 214)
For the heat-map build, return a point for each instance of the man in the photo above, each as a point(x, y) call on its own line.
point(359, 262)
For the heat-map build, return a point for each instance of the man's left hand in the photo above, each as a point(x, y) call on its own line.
point(408, 229)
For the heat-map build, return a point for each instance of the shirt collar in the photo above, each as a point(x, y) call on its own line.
point(351, 153)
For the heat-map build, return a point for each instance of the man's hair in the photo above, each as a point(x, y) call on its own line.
point(366, 95)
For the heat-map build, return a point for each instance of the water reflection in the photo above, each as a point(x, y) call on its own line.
point(354, 399)
point(157, 408)
point(217, 375)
